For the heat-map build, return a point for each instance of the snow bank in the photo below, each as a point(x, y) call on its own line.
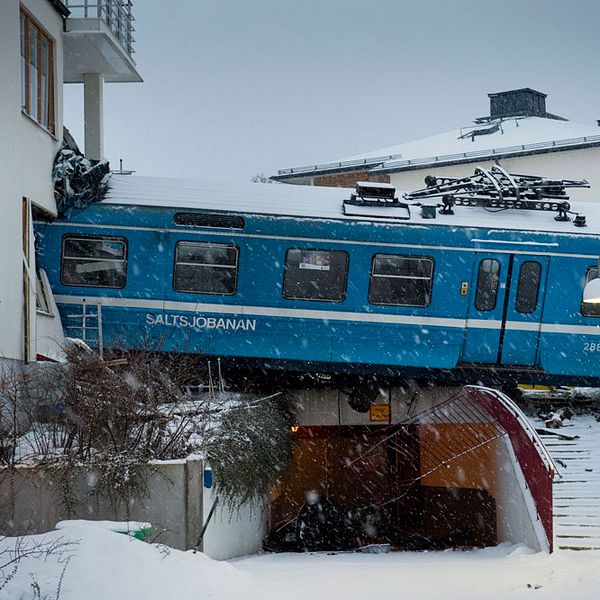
point(104, 564)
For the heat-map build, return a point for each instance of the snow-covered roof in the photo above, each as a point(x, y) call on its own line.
point(505, 137)
point(317, 202)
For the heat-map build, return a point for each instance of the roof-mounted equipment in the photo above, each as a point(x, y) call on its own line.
point(372, 199)
point(495, 189)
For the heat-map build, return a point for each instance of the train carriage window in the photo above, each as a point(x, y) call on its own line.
point(315, 275)
point(206, 268)
point(528, 287)
point(401, 280)
point(590, 310)
point(488, 279)
point(94, 261)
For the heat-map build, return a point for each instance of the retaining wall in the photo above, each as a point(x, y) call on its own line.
point(33, 500)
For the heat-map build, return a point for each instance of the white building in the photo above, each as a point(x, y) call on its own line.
point(519, 133)
point(44, 44)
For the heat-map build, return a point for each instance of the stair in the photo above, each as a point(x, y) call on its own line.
point(577, 492)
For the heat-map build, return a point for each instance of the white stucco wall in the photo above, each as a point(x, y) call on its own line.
point(517, 520)
point(26, 155)
point(572, 164)
point(236, 532)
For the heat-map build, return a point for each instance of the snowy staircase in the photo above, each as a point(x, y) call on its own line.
point(577, 493)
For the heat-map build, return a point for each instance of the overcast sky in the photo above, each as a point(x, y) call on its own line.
point(233, 88)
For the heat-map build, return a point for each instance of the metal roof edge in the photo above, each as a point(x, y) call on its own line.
point(467, 158)
point(341, 166)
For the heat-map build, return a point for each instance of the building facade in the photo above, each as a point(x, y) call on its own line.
point(43, 44)
point(519, 133)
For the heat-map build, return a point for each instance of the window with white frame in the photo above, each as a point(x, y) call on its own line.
point(38, 72)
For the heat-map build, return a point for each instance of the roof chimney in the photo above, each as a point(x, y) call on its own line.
point(518, 103)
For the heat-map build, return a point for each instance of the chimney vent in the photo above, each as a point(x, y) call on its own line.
point(517, 103)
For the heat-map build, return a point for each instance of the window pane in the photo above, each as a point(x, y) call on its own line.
point(23, 63)
point(207, 255)
point(96, 248)
point(315, 275)
point(40, 297)
point(45, 91)
point(205, 268)
point(33, 72)
point(590, 310)
point(401, 280)
point(94, 262)
point(488, 279)
point(529, 284)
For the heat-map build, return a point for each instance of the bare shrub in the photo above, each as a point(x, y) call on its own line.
point(113, 417)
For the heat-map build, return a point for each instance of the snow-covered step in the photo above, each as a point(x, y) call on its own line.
point(578, 518)
point(578, 530)
point(577, 491)
point(573, 544)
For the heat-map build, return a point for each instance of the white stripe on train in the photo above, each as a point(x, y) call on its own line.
point(327, 315)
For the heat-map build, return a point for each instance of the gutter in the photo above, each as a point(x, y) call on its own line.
point(60, 8)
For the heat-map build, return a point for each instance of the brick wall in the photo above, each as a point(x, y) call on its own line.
point(349, 179)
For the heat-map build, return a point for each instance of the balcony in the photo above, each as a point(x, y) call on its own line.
point(99, 39)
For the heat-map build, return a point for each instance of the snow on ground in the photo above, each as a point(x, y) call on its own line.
point(107, 565)
point(493, 573)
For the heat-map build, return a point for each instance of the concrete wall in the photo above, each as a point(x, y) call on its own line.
point(330, 407)
point(176, 503)
point(571, 164)
point(26, 155)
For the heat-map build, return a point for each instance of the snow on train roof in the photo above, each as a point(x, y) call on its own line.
point(317, 202)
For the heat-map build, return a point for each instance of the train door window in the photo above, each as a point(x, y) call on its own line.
point(206, 268)
point(488, 279)
point(528, 287)
point(315, 275)
point(590, 310)
point(94, 261)
point(401, 280)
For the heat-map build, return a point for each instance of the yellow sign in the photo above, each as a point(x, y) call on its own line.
point(379, 413)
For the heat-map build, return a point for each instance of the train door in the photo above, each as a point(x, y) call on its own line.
point(486, 308)
point(505, 309)
point(523, 315)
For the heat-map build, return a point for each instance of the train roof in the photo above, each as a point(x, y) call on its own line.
point(299, 201)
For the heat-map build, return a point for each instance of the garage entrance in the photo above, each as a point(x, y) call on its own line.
point(468, 471)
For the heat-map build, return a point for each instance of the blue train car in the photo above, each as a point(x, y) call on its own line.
point(290, 277)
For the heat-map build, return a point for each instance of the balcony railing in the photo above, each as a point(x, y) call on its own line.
point(116, 14)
